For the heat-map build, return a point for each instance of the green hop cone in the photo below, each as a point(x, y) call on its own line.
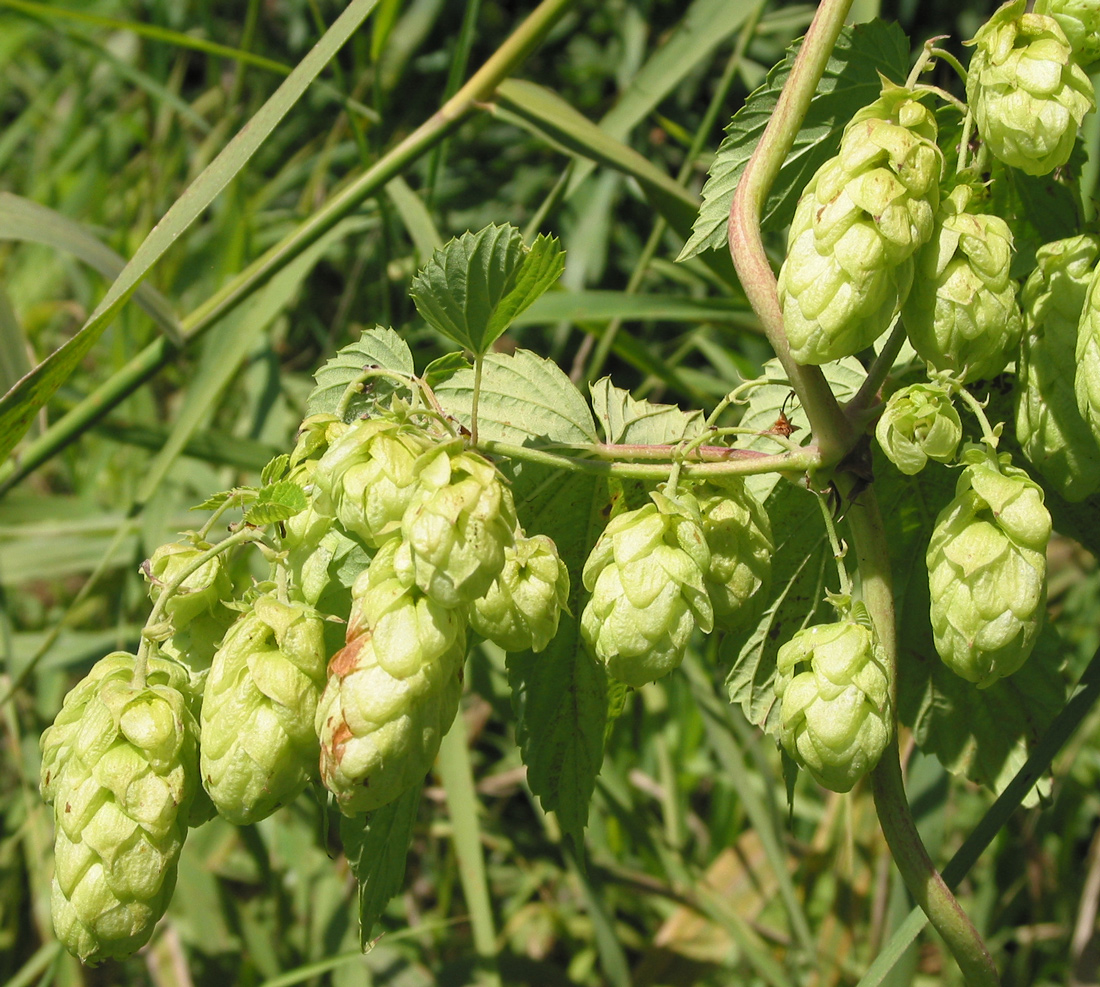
point(370, 474)
point(835, 717)
point(1026, 91)
point(258, 747)
point(392, 691)
point(521, 609)
point(199, 593)
point(454, 535)
point(858, 223)
point(738, 534)
point(919, 423)
point(1086, 381)
point(962, 315)
point(1050, 428)
point(1080, 19)
point(647, 576)
point(121, 768)
point(987, 570)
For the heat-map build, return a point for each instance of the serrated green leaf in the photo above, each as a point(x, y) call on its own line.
point(444, 368)
point(277, 502)
point(276, 469)
point(523, 397)
point(377, 347)
point(851, 81)
point(473, 287)
point(801, 564)
point(215, 501)
point(625, 419)
point(376, 847)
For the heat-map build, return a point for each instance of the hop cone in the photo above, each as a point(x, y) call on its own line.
point(392, 691)
point(521, 609)
point(121, 768)
point(454, 535)
point(369, 475)
point(647, 577)
point(1080, 19)
point(258, 747)
point(962, 313)
point(199, 593)
point(835, 715)
point(987, 570)
point(919, 423)
point(1050, 428)
point(858, 223)
point(1086, 380)
point(738, 534)
point(1027, 92)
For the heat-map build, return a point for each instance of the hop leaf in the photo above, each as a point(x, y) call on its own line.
point(835, 718)
point(919, 423)
point(1027, 92)
point(987, 570)
point(859, 221)
point(739, 538)
point(521, 609)
point(258, 746)
point(121, 768)
point(647, 576)
point(962, 314)
point(1054, 435)
point(392, 691)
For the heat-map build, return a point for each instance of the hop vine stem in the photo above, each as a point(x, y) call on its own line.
point(836, 436)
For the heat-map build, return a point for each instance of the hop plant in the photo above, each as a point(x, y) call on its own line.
point(962, 314)
point(521, 609)
point(1086, 381)
point(1027, 92)
point(834, 690)
point(120, 766)
point(919, 423)
point(739, 538)
point(198, 594)
point(1080, 19)
point(392, 691)
point(987, 569)
point(1050, 428)
point(258, 746)
point(858, 223)
point(647, 577)
point(454, 535)
point(370, 474)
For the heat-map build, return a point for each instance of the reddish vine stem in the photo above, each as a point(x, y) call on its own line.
point(836, 437)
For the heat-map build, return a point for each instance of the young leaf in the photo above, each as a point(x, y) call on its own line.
point(376, 847)
point(444, 368)
point(851, 81)
point(276, 469)
point(276, 502)
point(377, 347)
point(801, 564)
point(624, 419)
point(472, 288)
point(213, 502)
point(523, 397)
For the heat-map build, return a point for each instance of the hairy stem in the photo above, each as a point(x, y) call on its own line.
point(836, 437)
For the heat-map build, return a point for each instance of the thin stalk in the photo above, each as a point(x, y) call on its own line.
point(160, 353)
point(479, 362)
point(868, 390)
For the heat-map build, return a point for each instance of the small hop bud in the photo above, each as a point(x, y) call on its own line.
point(454, 534)
point(739, 538)
point(1027, 92)
point(919, 423)
point(1080, 19)
point(860, 219)
point(392, 691)
point(199, 593)
point(647, 577)
point(121, 767)
point(987, 570)
point(962, 314)
point(1053, 434)
point(521, 609)
point(258, 746)
point(370, 474)
point(835, 717)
